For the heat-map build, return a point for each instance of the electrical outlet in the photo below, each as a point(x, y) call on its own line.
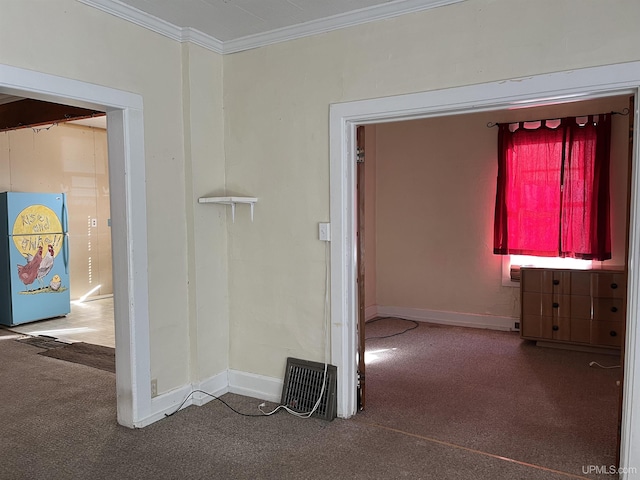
point(94, 222)
point(154, 388)
point(517, 326)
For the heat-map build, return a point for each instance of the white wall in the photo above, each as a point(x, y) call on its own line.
point(276, 112)
point(69, 39)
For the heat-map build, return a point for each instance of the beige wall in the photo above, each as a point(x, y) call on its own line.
point(71, 159)
point(274, 146)
point(73, 40)
point(206, 224)
point(435, 203)
point(277, 117)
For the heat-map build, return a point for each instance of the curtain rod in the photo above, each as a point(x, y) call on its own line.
point(625, 111)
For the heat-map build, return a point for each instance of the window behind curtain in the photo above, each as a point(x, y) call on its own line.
point(552, 198)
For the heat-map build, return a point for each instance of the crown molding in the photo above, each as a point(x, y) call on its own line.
point(133, 15)
point(323, 25)
point(314, 27)
point(202, 39)
point(155, 24)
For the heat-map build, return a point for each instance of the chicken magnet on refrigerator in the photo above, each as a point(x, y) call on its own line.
point(34, 257)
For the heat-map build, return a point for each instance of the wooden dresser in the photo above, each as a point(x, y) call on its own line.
point(582, 307)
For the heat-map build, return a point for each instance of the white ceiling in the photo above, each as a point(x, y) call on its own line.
point(231, 19)
point(228, 26)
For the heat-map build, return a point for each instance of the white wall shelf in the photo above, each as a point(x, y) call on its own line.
point(251, 201)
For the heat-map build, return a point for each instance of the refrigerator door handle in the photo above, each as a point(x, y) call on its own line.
point(65, 234)
point(65, 226)
point(65, 252)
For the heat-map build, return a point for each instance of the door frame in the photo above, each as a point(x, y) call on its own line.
point(560, 87)
point(125, 137)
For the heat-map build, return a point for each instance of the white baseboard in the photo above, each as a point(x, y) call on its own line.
point(261, 387)
point(458, 319)
point(234, 381)
point(255, 386)
point(370, 312)
point(165, 404)
point(217, 385)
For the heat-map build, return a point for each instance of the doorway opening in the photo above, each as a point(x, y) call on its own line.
point(428, 208)
point(561, 87)
point(53, 148)
point(128, 223)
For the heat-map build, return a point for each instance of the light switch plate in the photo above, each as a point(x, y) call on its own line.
point(324, 232)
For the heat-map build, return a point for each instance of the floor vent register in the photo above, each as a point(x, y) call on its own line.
point(303, 382)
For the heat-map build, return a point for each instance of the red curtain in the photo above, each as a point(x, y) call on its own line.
point(552, 197)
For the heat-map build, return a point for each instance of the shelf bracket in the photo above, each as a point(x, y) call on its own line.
point(233, 201)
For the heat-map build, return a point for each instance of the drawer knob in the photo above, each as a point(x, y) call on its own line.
point(556, 282)
point(614, 309)
point(555, 328)
point(614, 285)
point(613, 333)
point(556, 305)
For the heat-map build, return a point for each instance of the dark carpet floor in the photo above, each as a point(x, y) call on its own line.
point(96, 356)
point(58, 419)
point(492, 392)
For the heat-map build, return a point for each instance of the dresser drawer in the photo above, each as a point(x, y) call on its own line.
point(580, 330)
point(607, 333)
point(532, 304)
point(609, 309)
point(609, 285)
point(543, 327)
point(546, 281)
point(581, 307)
point(546, 304)
point(536, 326)
point(581, 283)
